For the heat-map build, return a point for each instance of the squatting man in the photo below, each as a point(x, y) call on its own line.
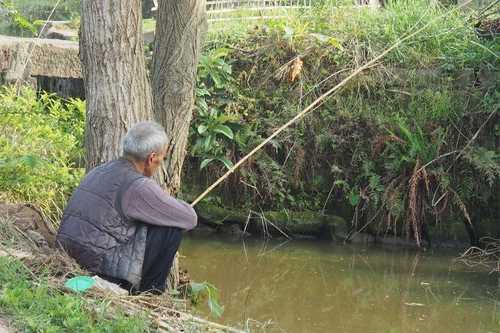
point(120, 224)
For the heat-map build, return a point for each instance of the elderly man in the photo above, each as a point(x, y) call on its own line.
point(120, 224)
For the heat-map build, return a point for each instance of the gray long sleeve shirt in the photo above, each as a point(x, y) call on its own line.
point(147, 202)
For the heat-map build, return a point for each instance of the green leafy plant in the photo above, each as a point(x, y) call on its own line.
point(197, 291)
point(412, 145)
point(212, 128)
point(213, 69)
point(19, 24)
point(486, 161)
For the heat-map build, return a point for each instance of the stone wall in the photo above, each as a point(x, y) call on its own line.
point(22, 58)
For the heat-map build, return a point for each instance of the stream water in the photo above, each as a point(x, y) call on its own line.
point(311, 286)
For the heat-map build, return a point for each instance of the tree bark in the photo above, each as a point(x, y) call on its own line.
point(180, 28)
point(116, 86)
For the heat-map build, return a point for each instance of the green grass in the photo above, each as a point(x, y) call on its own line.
point(148, 25)
point(35, 306)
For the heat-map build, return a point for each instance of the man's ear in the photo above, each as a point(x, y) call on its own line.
point(150, 158)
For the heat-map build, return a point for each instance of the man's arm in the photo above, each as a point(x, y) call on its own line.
point(147, 202)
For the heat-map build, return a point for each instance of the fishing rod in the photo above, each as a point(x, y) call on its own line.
point(320, 100)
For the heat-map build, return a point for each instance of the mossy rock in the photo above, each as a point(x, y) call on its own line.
point(211, 214)
point(308, 223)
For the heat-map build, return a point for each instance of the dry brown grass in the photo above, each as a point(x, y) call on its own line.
point(295, 69)
point(414, 205)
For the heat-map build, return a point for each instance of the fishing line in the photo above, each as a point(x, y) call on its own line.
point(32, 45)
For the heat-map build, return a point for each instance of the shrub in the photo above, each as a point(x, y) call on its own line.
point(40, 148)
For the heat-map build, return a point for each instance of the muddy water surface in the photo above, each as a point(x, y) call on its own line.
point(311, 286)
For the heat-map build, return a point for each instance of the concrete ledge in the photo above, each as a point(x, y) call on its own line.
point(47, 57)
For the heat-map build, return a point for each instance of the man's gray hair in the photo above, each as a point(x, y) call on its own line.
point(143, 139)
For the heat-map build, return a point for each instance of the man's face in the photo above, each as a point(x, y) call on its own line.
point(154, 161)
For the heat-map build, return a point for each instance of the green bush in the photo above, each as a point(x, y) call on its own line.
point(25, 17)
point(41, 9)
point(41, 148)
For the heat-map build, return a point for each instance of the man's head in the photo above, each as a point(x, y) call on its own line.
point(145, 144)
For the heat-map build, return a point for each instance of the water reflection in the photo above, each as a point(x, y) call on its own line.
point(318, 287)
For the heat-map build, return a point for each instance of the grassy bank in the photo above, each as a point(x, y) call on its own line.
point(36, 306)
point(407, 146)
point(33, 297)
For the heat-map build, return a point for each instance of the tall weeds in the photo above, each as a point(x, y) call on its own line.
point(386, 145)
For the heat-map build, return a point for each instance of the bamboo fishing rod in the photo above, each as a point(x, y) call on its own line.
point(320, 100)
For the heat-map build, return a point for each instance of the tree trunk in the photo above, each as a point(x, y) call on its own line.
point(180, 28)
point(116, 85)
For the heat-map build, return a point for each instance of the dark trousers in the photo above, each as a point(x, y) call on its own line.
point(162, 244)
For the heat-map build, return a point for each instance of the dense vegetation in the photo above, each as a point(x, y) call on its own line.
point(412, 140)
point(41, 148)
point(23, 17)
